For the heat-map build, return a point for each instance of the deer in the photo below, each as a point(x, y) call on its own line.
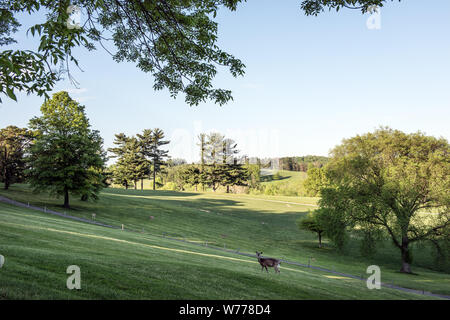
point(268, 262)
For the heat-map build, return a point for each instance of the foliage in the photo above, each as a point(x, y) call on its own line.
point(122, 170)
point(152, 141)
point(131, 165)
point(301, 163)
point(312, 223)
point(315, 181)
point(14, 143)
point(314, 7)
point(66, 156)
point(383, 180)
point(234, 175)
point(254, 173)
point(214, 176)
point(139, 157)
point(175, 41)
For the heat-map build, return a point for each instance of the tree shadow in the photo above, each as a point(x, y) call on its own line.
point(149, 193)
point(272, 177)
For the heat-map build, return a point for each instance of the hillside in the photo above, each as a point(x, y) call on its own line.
point(282, 183)
point(143, 265)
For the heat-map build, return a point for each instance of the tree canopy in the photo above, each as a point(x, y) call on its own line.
point(14, 144)
point(174, 40)
point(66, 157)
point(313, 223)
point(391, 182)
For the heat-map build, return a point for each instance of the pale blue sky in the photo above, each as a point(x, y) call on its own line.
point(309, 83)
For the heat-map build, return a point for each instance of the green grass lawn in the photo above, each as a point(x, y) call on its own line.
point(283, 183)
point(117, 264)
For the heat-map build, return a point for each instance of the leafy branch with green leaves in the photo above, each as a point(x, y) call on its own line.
point(173, 40)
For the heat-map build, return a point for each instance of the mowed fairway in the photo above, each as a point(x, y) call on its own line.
point(116, 264)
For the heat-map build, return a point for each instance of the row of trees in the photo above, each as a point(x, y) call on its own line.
point(386, 184)
point(302, 163)
point(61, 154)
point(138, 157)
point(211, 176)
point(220, 165)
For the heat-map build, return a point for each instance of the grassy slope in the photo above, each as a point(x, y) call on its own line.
point(234, 221)
point(290, 183)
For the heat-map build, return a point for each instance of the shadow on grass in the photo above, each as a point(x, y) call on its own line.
point(165, 193)
point(234, 220)
point(271, 177)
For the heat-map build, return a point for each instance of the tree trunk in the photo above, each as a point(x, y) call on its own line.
point(154, 177)
point(320, 239)
point(66, 198)
point(406, 256)
point(228, 189)
point(6, 178)
point(142, 184)
point(135, 184)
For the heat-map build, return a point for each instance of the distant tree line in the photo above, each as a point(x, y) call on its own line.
point(302, 163)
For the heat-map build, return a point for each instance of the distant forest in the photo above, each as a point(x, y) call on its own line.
point(301, 163)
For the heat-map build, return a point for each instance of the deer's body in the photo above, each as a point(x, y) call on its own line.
point(268, 262)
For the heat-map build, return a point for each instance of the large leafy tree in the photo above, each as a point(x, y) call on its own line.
point(391, 182)
point(14, 143)
point(67, 157)
point(174, 40)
